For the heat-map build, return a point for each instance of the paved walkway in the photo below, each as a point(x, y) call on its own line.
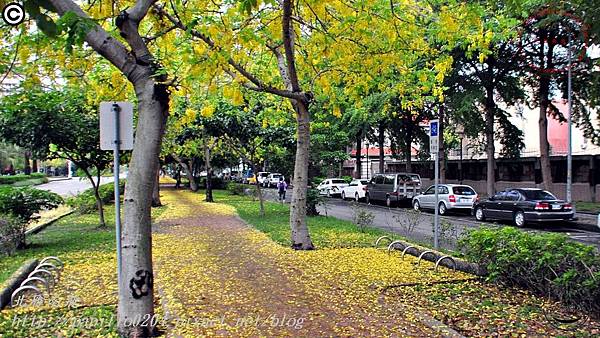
point(217, 276)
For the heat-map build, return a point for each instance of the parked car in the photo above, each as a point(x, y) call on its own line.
point(450, 196)
point(331, 186)
point(523, 205)
point(393, 188)
point(261, 176)
point(357, 189)
point(272, 180)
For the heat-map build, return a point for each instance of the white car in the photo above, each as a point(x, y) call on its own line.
point(261, 177)
point(357, 189)
point(331, 186)
point(272, 180)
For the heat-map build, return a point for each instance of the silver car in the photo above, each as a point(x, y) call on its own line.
point(451, 197)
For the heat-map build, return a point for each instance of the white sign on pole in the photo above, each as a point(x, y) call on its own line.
point(107, 125)
point(434, 128)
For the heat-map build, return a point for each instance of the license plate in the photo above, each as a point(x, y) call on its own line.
point(465, 200)
point(556, 206)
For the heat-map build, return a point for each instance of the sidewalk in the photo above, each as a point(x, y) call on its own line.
point(217, 276)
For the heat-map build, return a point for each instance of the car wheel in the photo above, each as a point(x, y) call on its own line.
point(479, 214)
point(343, 195)
point(442, 209)
point(519, 219)
point(416, 205)
point(356, 197)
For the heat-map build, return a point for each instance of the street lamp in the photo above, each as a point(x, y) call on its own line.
point(569, 122)
point(460, 130)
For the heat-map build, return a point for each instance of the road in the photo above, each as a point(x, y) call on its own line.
point(419, 226)
point(70, 187)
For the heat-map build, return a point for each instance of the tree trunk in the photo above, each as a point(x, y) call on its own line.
point(261, 200)
point(178, 180)
point(490, 107)
point(99, 203)
point(34, 167)
point(442, 152)
point(136, 294)
point(408, 144)
point(358, 156)
point(26, 166)
point(543, 126)
point(300, 236)
point(156, 191)
point(381, 141)
point(187, 168)
point(209, 192)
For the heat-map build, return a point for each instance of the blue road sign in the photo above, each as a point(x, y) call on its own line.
point(433, 128)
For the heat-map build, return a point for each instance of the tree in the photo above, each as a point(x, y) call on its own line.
point(135, 61)
point(57, 124)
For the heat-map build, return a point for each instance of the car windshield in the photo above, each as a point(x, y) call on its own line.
point(364, 182)
point(408, 178)
point(338, 181)
point(276, 176)
point(465, 191)
point(538, 195)
point(264, 174)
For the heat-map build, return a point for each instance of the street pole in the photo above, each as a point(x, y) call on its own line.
point(116, 110)
point(460, 163)
point(368, 166)
point(436, 222)
point(570, 122)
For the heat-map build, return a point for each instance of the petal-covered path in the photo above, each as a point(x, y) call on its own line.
point(217, 276)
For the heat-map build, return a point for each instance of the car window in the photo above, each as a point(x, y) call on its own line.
point(389, 179)
point(353, 184)
point(364, 182)
point(264, 174)
point(443, 190)
point(538, 195)
point(500, 196)
point(378, 179)
point(465, 191)
point(338, 181)
point(430, 191)
point(513, 195)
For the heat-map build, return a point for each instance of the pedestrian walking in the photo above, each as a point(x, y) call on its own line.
point(281, 189)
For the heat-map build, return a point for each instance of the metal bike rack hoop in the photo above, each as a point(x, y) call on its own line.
point(46, 272)
point(37, 279)
point(23, 288)
point(53, 258)
point(445, 257)
point(423, 254)
point(392, 245)
point(406, 250)
point(380, 239)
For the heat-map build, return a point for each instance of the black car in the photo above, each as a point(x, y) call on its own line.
point(523, 205)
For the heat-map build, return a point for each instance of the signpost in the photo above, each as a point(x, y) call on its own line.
point(116, 133)
point(434, 128)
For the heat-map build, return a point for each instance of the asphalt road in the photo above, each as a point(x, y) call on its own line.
point(419, 226)
point(70, 187)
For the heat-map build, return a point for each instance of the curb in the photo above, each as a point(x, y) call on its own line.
point(15, 280)
point(43, 226)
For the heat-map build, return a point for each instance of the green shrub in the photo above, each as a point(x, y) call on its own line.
point(12, 234)
point(549, 264)
point(12, 179)
point(85, 203)
point(25, 202)
point(317, 180)
point(313, 199)
point(236, 188)
point(348, 179)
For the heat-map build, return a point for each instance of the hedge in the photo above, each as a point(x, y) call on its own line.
point(549, 264)
point(11, 179)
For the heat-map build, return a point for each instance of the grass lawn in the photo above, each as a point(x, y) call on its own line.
point(588, 206)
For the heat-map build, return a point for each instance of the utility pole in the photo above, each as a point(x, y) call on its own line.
point(570, 123)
